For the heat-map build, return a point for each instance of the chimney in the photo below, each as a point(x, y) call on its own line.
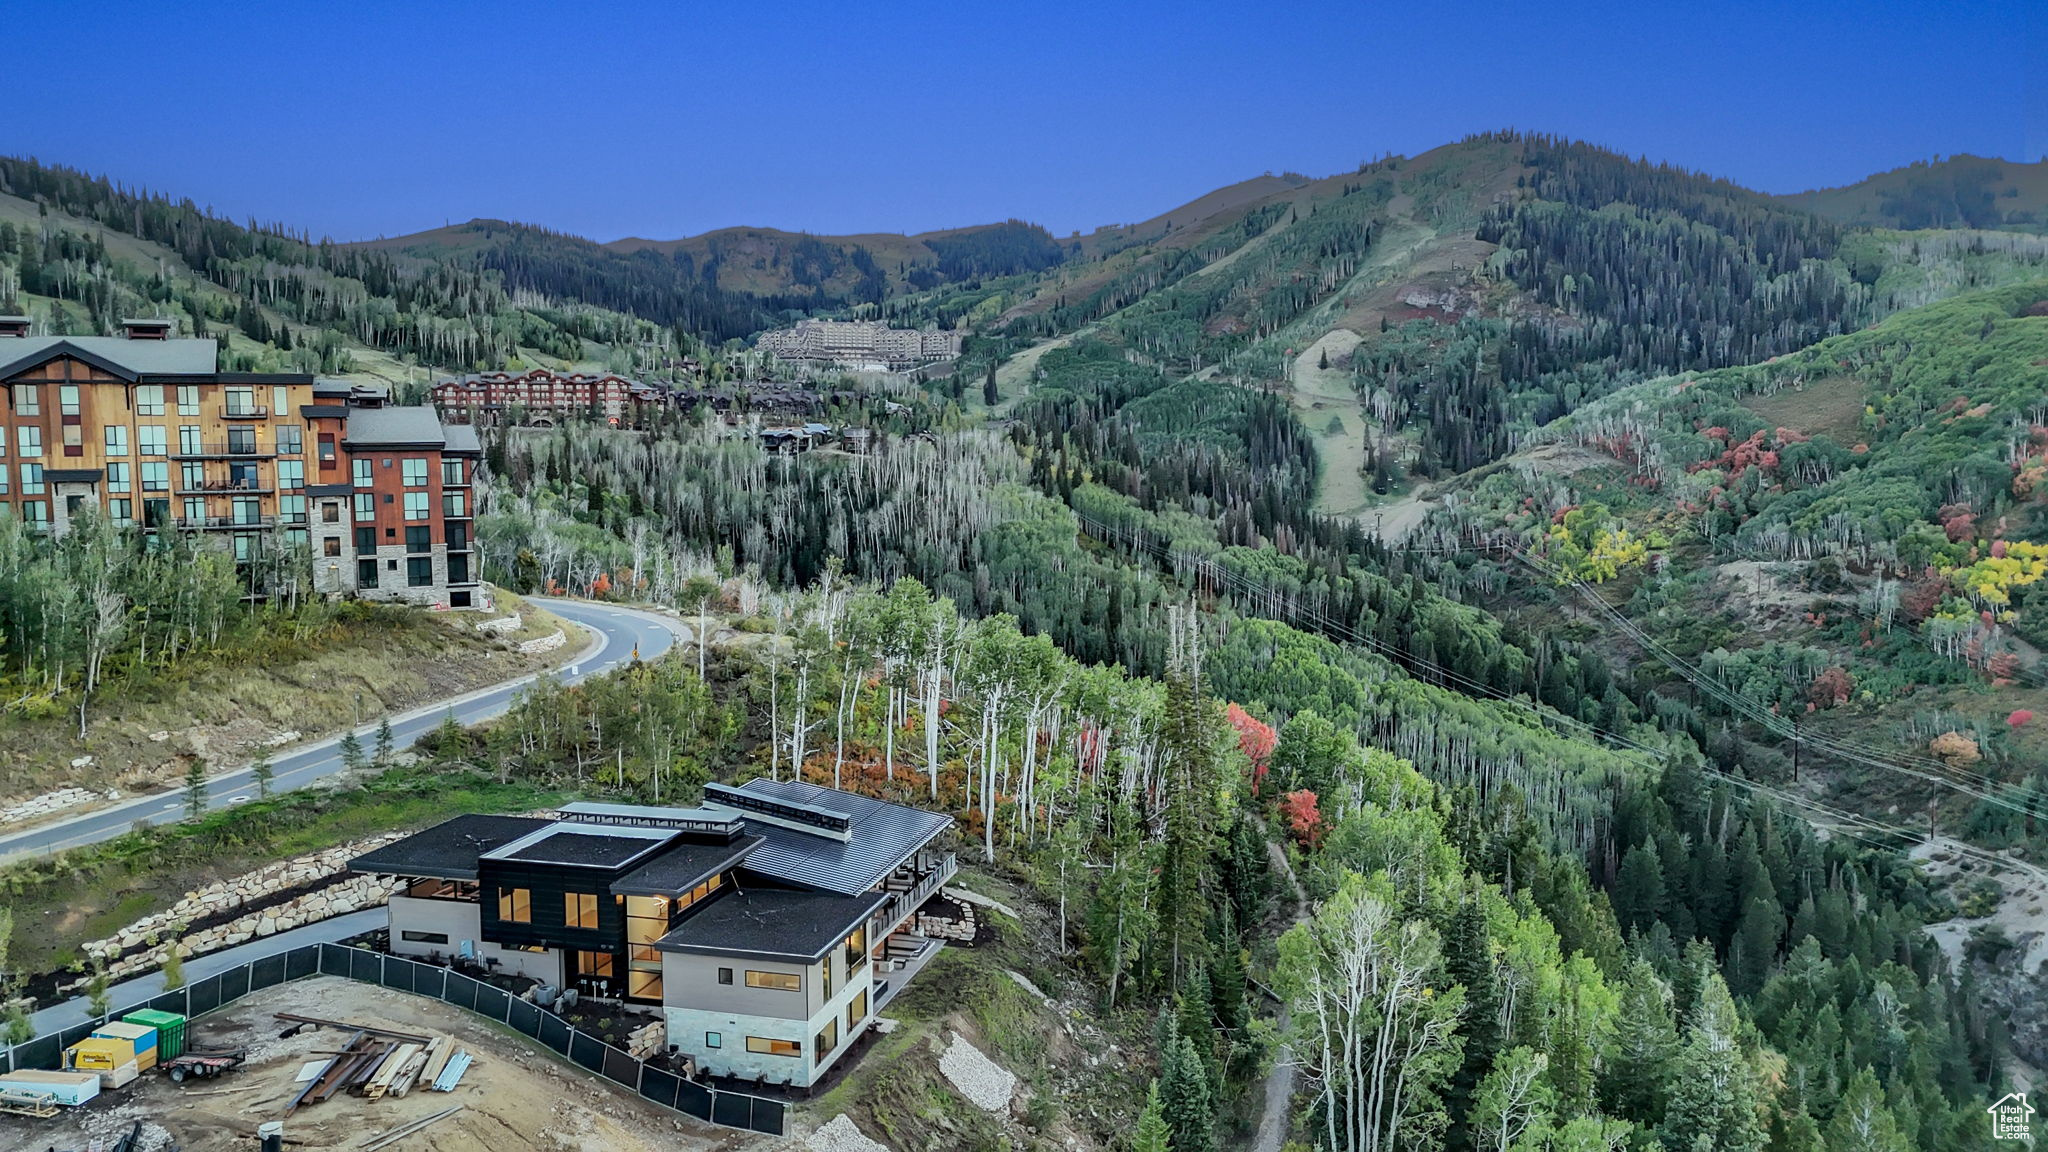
point(137, 329)
point(13, 326)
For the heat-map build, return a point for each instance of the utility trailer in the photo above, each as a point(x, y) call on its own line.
point(202, 1065)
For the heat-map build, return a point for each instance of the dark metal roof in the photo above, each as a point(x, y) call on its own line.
point(395, 427)
point(73, 475)
point(449, 850)
point(778, 922)
point(114, 354)
point(319, 411)
point(880, 837)
point(682, 866)
point(341, 489)
point(462, 439)
point(584, 846)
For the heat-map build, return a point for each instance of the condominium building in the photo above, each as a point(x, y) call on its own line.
point(144, 428)
point(864, 344)
point(545, 396)
point(769, 924)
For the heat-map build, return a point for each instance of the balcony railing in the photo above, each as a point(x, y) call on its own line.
point(221, 450)
point(904, 903)
point(226, 488)
point(245, 411)
point(226, 523)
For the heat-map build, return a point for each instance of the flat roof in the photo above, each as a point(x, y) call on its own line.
point(582, 845)
point(880, 836)
point(779, 922)
point(683, 865)
point(395, 427)
point(449, 850)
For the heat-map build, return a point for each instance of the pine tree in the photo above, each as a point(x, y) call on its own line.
point(1468, 960)
point(1152, 1134)
point(1639, 892)
point(195, 787)
point(1863, 1122)
point(263, 772)
point(1186, 1100)
point(1644, 1040)
point(384, 741)
point(989, 395)
point(352, 756)
point(1713, 1094)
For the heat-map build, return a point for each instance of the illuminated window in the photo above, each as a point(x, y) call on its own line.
point(826, 1040)
point(856, 1011)
point(579, 909)
point(514, 904)
point(779, 981)
point(594, 964)
point(767, 1046)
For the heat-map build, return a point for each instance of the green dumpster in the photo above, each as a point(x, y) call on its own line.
point(170, 1030)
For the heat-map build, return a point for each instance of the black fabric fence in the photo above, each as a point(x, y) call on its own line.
point(662, 1087)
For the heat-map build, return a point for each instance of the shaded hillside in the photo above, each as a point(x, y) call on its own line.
point(1959, 192)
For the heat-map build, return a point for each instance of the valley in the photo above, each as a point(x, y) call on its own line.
point(1569, 624)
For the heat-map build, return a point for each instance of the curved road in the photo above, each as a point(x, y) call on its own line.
point(618, 633)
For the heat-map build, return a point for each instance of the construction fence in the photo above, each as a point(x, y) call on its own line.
point(667, 1089)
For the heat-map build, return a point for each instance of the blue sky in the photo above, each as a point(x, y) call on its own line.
point(606, 120)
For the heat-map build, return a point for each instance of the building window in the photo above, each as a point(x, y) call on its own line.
point(515, 905)
point(458, 537)
point(458, 569)
point(725, 975)
point(292, 509)
point(195, 511)
point(366, 507)
point(597, 965)
point(28, 441)
point(326, 448)
point(247, 510)
point(117, 476)
point(451, 471)
point(826, 1040)
point(579, 910)
point(242, 440)
point(643, 983)
point(825, 976)
point(191, 475)
point(454, 504)
point(330, 512)
point(74, 439)
point(291, 475)
point(67, 399)
point(156, 476)
point(365, 477)
point(366, 573)
point(419, 572)
point(280, 399)
point(289, 440)
point(189, 442)
point(123, 511)
point(411, 937)
point(31, 479)
point(414, 471)
point(151, 437)
point(117, 440)
point(149, 399)
point(36, 512)
point(419, 538)
point(415, 505)
point(28, 400)
point(767, 1046)
point(188, 399)
point(856, 1011)
point(331, 546)
point(778, 981)
point(366, 541)
point(713, 1040)
point(241, 402)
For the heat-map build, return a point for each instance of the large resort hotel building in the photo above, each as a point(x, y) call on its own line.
point(755, 921)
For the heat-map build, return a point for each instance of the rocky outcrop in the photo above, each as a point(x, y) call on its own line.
point(547, 643)
point(500, 625)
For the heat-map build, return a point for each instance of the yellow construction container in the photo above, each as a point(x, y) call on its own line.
point(141, 1036)
point(100, 1054)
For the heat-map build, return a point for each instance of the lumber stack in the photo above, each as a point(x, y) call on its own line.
point(376, 1063)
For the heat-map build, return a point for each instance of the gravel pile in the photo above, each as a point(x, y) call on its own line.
point(988, 1084)
point(841, 1136)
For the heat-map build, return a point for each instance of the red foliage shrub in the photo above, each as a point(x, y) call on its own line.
point(2020, 718)
point(1304, 818)
point(1255, 739)
point(1832, 688)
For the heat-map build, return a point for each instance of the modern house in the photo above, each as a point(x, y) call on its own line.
point(756, 921)
point(144, 428)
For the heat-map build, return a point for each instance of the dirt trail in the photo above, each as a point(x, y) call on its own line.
point(1272, 1133)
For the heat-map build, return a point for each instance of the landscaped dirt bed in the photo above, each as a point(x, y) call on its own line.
point(515, 1096)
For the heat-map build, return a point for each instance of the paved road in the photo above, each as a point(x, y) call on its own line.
point(129, 992)
point(617, 633)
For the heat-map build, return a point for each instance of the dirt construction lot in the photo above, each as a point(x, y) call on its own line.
point(515, 1096)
